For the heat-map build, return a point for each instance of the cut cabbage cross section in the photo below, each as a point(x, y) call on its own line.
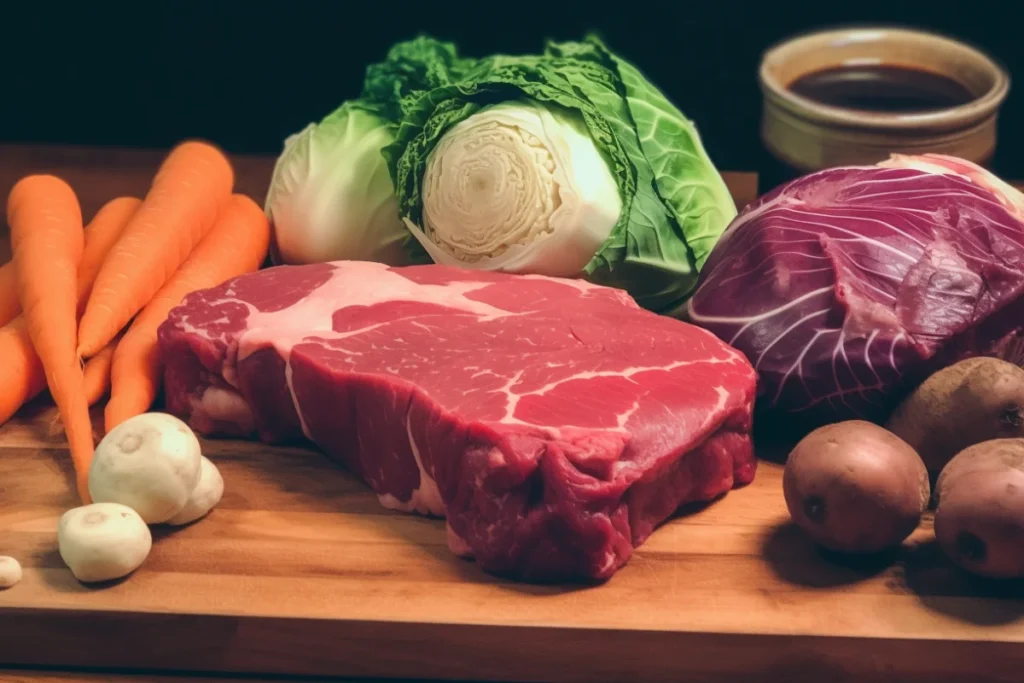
point(519, 187)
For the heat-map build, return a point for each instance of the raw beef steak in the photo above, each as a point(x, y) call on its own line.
point(554, 423)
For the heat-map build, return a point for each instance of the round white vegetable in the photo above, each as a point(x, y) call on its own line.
point(103, 541)
point(205, 495)
point(331, 197)
point(10, 571)
point(519, 187)
point(150, 463)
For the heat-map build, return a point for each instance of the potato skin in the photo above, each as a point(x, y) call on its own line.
point(997, 455)
point(969, 402)
point(855, 487)
point(979, 521)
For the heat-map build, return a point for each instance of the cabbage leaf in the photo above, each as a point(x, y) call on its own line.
point(675, 203)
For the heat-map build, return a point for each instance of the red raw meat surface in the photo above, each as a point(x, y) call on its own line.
point(553, 423)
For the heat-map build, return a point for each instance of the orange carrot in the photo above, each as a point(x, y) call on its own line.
point(237, 244)
point(97, 373)
point(192, 185)
point(21, 372)
point(47, 239)
point(9, 306)
point(101, 235)
point(108, 223)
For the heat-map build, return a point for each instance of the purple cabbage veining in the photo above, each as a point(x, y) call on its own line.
point(848, 286)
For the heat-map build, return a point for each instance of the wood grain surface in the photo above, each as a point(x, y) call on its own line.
point(300, 571)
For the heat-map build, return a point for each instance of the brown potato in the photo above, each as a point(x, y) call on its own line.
point(972, 401)
point(979, 522)
point(855, 487)
point(997, 455)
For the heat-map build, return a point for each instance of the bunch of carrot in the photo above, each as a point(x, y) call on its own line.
point(80, 307)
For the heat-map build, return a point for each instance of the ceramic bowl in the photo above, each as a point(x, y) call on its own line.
point(808, 135)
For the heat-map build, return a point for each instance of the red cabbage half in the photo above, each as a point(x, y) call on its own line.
point(848, 286)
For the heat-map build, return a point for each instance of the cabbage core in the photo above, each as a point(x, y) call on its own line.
point(518, 186)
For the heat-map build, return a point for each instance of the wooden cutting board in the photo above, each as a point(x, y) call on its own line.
point(300, 571)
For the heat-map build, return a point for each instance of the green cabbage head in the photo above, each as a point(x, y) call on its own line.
point(331, 196)
point(565, 163)
point(568, 163)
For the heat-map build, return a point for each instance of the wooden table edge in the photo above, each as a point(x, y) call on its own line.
point(294, 646)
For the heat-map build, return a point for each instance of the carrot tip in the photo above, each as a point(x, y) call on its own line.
point(83, 487)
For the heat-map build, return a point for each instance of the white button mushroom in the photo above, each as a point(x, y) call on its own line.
point(150, 463)
point(205, 495)
point(10, 571)
point(103, 541)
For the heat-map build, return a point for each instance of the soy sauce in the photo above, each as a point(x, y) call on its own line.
point(881, 88)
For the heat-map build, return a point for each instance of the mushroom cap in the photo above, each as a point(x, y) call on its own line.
point(204, 497)
point(10, 571)
point(103, 541)
point(150, 463)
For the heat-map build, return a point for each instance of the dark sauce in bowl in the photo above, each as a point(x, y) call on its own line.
point(882, 88)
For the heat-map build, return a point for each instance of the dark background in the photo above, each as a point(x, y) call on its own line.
point(246, 74)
